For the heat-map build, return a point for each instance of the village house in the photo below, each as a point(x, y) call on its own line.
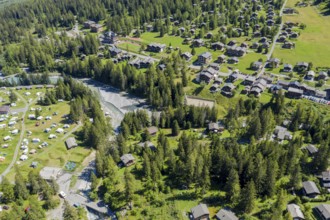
point(198, 43)
point(326, 179)
point(71, 143)
point(214, 88)
point(232, 43)
point(294, 35)
point(270, 22)
point(273, 63)
point(214, 127)
point(152, 130)
point(295, 212)
point(323, 211)
point(204, 58)
point(282, 133)
point(108, 37)
point(221, 59)
point(206, 75)
point(255, 45)
point(187, 56)
point(127, 160)
point(227, 89)
point(281, 39)
point(96, 28)
point(156, 48)
point(302, 66)
point(149, 28)
point(232, 77)
point(236, 51)
point(257, 65)
point(115, 52)
point(88, 24)
point(288, 11)
point(256, 34)
point(225, 214)
point(218, 81)
point(308, 90)
point(249, 80)
point(288, 45)
point(275, 89)
point(217, 46)
point(322, 76)
point(200, 212)
point(244, 45)
point(232, 60)
point(294, 93)
point(310, 189)
point(148, 144)
point(311, 149)
point(287, 68)
point(187, 40)
point(214, 66)
point(209, 35)
point(310, 75)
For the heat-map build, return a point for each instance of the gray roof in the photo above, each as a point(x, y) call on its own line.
point(126, 158)
point(294, 90)
point(213, 126)
point(200, 210)
point(71, 142)
point(295, 211)
point(326, 175)
point(324, 210)
point(311, 149)
point(310, 187)
point(224, 214)
point(152, 130)
point(148, 144)
point(206, 55)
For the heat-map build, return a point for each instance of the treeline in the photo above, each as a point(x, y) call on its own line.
point(23, 196)
point(159, 87)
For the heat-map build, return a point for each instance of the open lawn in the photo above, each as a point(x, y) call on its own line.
point(313, 43)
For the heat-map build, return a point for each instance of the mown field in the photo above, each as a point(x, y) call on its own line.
point(313, 42)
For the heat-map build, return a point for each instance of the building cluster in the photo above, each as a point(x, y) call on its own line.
point(93, 26)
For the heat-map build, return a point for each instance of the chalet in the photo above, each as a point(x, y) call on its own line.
point(193, 31)
point(255, 91)
point(323, 211)
point(255, 45)
point(152, 130)
point(256, 34)
point(187, 56)
point(294, 93)
point(249, 80)
point(127, 160)
point(176, 23)
point(294, 35)
point(148, 144)
point(275, 89)
point(218, 81)
point(182, 29)
point(265, 45)
point(288, 45)
point(311, 149)
point(310, 189)
point(322, 75)
point(204, 58)
point(302, 66)
point(187, 40)
point(71, 143)
point(232, 77)
point(96, 28)
point(109, 38)
point(260, 83)
point(295, 212)
point(162, 66)
point(273, 63)
point(149, 28)
point(310, 75)
point(290, 24)
point(225, 214)
point(4, 110)
point(214, 127)
point(236, 51)
point(156, 48)
point(209, 35)
point(256, 26)
point(232, 43)
point(232, 60)
point(217, 46)
point(244, 45)
point(227, 89)
point(287, 68)
point(114, 51)
point(141, 63)
point(288, 11)
point(221, 59)
point(256, 65)
point(88, 24)
point(270, 22)
point(214, 88)
point(295, 84)
point(282, 133)
point(263, 40)
point(320, 94)
point(205, 77)
point(200, 212)
point(326, 179)
point(214, 66)
point(198, 43)
point(308, 90)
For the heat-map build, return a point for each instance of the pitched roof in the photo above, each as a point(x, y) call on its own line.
point(206, 55)
point(294, 90)
point(200, 210)
point(311, 149)
point(324, 210)
point(310, 187)
point(326, 175)
point(126, 158)
point(224, 214)
point(295, 211)
point(71, 142)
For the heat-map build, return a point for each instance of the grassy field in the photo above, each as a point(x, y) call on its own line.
point(55, 154)
point(313, 43)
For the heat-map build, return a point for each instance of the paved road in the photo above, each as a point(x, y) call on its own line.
point(24, 110)
point(270, 52)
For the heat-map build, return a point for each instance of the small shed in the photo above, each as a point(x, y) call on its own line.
point(71, 143)
point(127, 159)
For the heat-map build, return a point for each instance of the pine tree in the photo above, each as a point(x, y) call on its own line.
point(233, 188)
point(248, 197)
point(175, 128)
point(69, 212)
point(129, 185)
point(8, 191)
